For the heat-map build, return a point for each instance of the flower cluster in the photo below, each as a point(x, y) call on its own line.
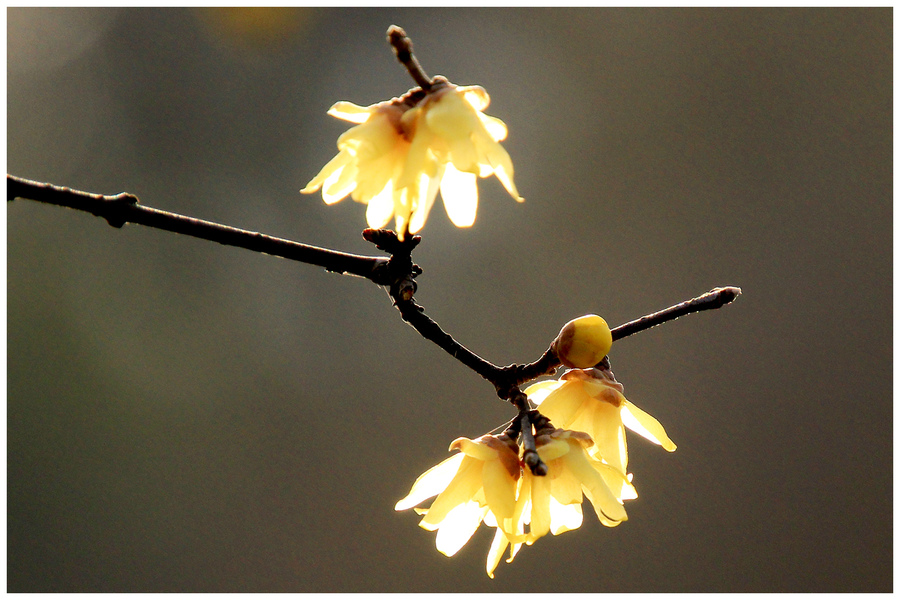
point(397, 157)
point(586, 457)
point(486, 482)
point(403, 151)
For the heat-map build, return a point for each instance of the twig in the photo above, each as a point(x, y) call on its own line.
point(125, 208)
point(402, 46)
point(715, 298)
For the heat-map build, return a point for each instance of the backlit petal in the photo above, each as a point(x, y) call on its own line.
point(431, 483)
point(350, 112)
point(643, 424)
point(500, 493)
point(608, 509)
point(494, 126)
point(564, 517)
point(460, 193)
point(381, 207)
point(540, 507)
point(334, 165)
point(460, 490)
point(475, 95)
point(474, 448)
point(458, 526)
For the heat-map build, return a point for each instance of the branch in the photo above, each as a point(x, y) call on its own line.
point(715, 298)
point(125, 208)
point(506, 380)
point(402, 46)
point(397, 272)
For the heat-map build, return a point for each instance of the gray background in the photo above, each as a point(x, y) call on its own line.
point(184, 416)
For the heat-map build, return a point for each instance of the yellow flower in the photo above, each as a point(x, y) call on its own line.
point(403, 151)
point(477, 484)
point(591, 400)
point(552, 503)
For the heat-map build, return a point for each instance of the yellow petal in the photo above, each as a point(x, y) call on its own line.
point(427, 192)
point(552, 450)
point(564, 517)
point(475, 95)
point(334, 165)
point(494, 126)
point(500, 493)
point(458, 526)
point(459, 491)
point(401, 211)
point(350, 112)
point(609, 510)
point(431, 483)
point(538, 391)
point(418, 160)
point(340, 183)
point(540, 507)
point(474, 448)
point(498, 547)
point(381, 207)
point(564, 403)
point(602, 421)
point(643, 424)
point(503, 169)
point(618, 483)
point(460, 194)
point(566, 487)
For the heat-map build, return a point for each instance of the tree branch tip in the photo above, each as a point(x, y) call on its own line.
point(725, 295)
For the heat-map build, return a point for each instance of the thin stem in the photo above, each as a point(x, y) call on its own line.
point(530, 455)
point(715, 298)
point(402, 46)
point(125, 208)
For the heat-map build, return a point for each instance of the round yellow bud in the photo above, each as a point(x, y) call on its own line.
point(583, 342)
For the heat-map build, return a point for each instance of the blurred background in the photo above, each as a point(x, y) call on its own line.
point(185, 416)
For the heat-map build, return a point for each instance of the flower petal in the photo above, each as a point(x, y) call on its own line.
point(475, 95)
point(537, 392)
point(564, 517)
point(349, 111)
point(498, 547)
point(609, 510)
point(503, 169)
point(381, 207)
point(566, 487)
point(564, 403)
point(474, 448)
point(500, 493)
point(540, 507)
point(494, 126)
point(458, 526)
point(620, 485)
point(460, 193)
point(428, 189)
point(459, 491)
point(643, 424)
point(334, 165)
point(431, 483)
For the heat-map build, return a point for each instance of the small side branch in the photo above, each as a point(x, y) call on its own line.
point(715, 298)
point(402, 46)
point(125, 208)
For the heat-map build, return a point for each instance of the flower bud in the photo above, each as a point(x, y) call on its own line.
point(583, 342)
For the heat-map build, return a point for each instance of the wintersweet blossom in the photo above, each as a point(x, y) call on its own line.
point(591, 400)
point(478, 484)
point(552, 503)
point(403, 151)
